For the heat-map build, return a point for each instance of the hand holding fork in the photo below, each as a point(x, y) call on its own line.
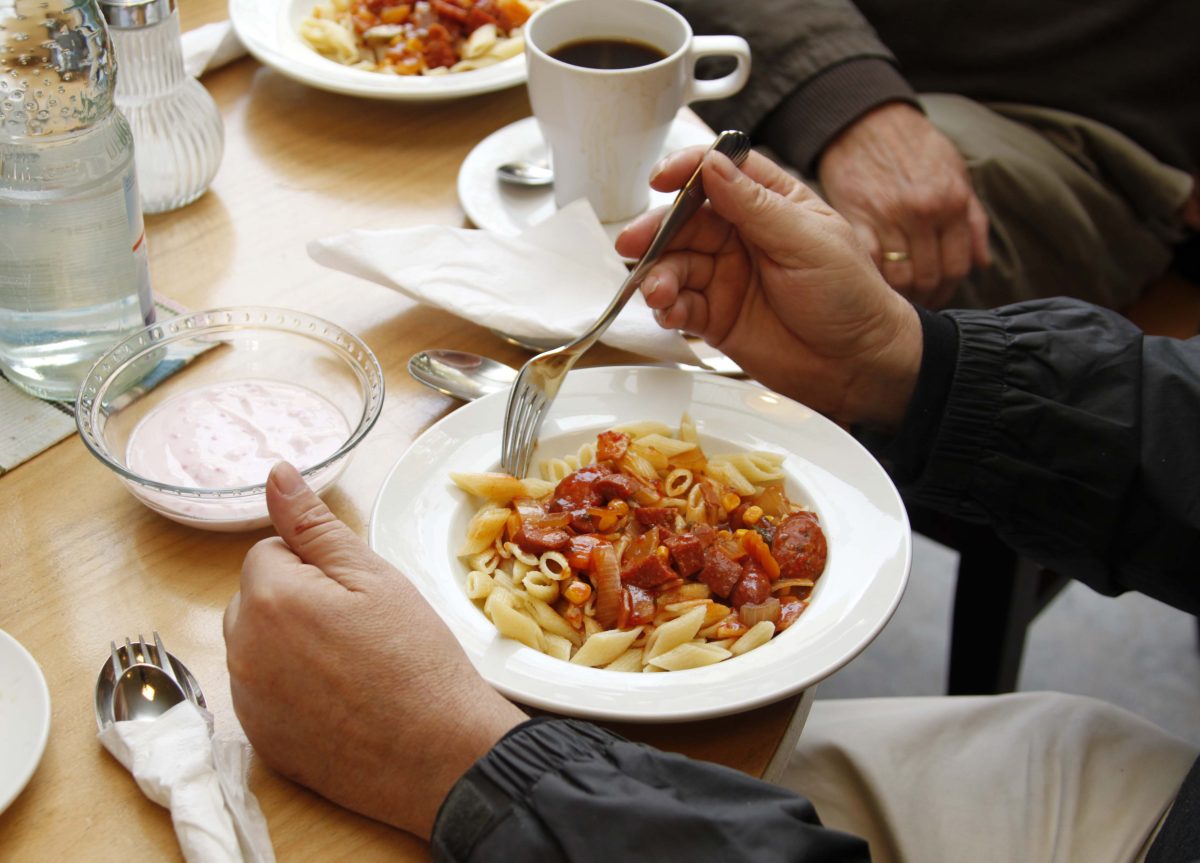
point(541, 377)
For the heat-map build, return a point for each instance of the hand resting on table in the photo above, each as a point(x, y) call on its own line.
point(343, 678)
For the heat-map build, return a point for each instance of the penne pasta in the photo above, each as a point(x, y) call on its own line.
point(655, 558)
point(630, 660)
point(756, 636)
point(485, 526)
point(668, 446)
point(603, 648)
point(557, 646)
point(510, 621)
point(685, 656)
point(670, 635)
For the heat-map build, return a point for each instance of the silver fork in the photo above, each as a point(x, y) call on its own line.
point(541, 377)
point(141, 653)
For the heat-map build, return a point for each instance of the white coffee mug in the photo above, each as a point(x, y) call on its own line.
point(606, 127)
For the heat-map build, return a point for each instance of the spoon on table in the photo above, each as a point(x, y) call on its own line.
point(144, 692)
point(131, 686)
point(523, 173)
point(468, 376)
point(460, 374)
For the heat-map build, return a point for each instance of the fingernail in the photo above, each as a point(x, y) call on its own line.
point(287, 479)
point(723, 165)
point(650, 285)
point(657, 169)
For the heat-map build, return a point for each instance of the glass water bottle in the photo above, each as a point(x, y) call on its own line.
point(74, 278)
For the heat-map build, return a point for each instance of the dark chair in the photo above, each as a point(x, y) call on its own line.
point(998, 593)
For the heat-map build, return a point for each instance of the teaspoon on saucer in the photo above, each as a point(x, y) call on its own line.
point(524, 173)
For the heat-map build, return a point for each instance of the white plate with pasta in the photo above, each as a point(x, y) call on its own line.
point(421, 519)
point(281, 34)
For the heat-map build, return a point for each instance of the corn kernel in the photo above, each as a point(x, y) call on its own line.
point(577, 592)
point(730, 501)
point(662, 553)
point(618, 506)
point(739, 533)
point(752, 515)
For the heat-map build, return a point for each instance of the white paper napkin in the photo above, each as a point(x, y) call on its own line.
point(551, 282)
point(209, 47)
point(179, 764)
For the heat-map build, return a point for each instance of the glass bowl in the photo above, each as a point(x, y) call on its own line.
point(201, 361)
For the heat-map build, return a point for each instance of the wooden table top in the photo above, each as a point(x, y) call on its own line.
point(84, 563)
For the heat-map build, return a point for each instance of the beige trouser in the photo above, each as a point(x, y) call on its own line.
point(1075, 208)
point(1021, 778)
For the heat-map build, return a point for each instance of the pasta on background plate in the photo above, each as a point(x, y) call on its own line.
point(426, 37)
point(642, 553)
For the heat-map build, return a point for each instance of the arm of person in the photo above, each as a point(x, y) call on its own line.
point(560, 789)
point(317, 606)
point(826, 96)
point(1057, 421)
point(817, 66)
point(1070, 432)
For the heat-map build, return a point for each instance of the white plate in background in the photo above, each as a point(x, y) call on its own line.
point(270, 30)
point(419, 521)
point(24, 718)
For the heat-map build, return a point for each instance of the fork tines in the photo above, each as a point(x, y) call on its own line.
point(526, 406)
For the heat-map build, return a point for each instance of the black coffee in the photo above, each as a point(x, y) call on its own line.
point(607, 53)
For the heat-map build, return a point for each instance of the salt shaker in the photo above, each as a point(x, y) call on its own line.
point(177, 130)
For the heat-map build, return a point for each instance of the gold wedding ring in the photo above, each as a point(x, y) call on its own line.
point(895, 257)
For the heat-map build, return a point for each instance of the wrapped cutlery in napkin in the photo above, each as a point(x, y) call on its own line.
point(201, 779)
point(551, 282)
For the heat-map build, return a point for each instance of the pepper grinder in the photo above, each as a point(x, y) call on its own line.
point(178, 136)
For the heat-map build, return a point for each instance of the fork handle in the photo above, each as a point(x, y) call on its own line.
point(735, 145)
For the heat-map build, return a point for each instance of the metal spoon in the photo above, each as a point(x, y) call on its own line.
point(144, 692)
point(469, 376)
point(459, 374)
point(522, 173)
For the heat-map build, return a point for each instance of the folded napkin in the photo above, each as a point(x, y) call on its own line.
point(179, 764)
point(209, 47)
point(551, 282)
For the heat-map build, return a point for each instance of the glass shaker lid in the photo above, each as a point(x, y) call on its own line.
point(135, 14)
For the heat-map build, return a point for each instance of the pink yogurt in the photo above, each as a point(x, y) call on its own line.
point(230, 434)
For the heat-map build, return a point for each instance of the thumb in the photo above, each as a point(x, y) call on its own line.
point(312, 531)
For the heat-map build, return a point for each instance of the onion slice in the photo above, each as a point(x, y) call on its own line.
point(605, 571)
point(756, 612)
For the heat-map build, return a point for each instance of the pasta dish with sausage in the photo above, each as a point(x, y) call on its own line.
point(642, 553)
point(425, 37)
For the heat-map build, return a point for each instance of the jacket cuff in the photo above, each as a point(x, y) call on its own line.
point(971, 413)
point(904, 451)
point(486, 793)
point(814, 114)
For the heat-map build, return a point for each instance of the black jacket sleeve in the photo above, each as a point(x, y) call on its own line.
point(817, 66)
point(1076, 436)
point(558, 790)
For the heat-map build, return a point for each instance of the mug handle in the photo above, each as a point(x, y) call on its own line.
point(736, 47)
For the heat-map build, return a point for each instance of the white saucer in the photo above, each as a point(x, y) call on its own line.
point(507, 209)
point(24, 717)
